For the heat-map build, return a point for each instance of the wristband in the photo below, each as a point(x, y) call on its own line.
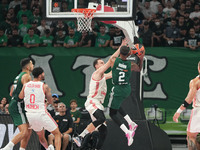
point(185, 104)
point(179, 111)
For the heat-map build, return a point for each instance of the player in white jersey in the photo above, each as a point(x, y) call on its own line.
point(193, 127)
point(34, 93)
point(95, 99)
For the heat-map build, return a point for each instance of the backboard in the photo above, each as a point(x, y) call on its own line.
point(121, 9)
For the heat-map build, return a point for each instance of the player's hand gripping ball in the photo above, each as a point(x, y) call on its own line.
point(138, 50)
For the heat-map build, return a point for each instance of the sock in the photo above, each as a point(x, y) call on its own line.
point(84, 133)
point(10, 145)
point(128, 119)
point(21, 148)
point(124, 128)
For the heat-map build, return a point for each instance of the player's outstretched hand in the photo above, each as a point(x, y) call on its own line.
point(175, 117)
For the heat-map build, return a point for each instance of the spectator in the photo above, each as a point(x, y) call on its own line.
point(111, 32)
point(196, 12)
point(64, 7)
point(46, 40)
point(181, 11)
point(9, 30)
point(183, 35)
point(169, 9)
point(160, 14)
point(188, 22)
point(55, 97)
point(102, 39)
point(55, 111)
point(58, 26)
point(36, 17)
point(188, 6)
point(139, 15)
point(154, 6)
point(181, 22)
point(146, 35)
point(178, 4)
point(34, 26)
point(197, 29)
point(116, 40)
point(171, 34)
point(6, 24)
point(71, 40)
point(15, 39)
point(31, 40)
point(43, 27)
point(192, 42)
point(2, 105)
point(75, 114)
point(164, 2)
point(3, 38)
point(85, 40)
point(36, 4)
point(24, 11)
point(146, 10)
point(65, 125)
point(158, 32)
point(59, 39)
point(91, 34)
point(24, 27)
point(11, 11)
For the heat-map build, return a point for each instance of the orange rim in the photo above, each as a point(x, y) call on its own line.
point(83, 10)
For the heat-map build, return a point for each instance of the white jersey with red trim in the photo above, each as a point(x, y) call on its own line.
point(196, 100)
point(97, 89)
point(34, 97)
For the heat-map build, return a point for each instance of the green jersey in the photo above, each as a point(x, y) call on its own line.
point(121, 72)
point(75, 115)
point(17, 86)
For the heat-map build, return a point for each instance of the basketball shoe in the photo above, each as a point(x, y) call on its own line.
point(132, 127)
point(129, 138)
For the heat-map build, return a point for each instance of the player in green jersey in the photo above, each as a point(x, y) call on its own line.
point(121, 73)
point(16, 107)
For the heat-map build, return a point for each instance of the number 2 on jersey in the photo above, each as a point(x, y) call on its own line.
point(121, 76)
point(32, 98)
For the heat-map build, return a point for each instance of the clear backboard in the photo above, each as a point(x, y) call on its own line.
point(111, 10)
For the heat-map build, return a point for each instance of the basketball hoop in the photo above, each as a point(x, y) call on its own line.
point(84, 18)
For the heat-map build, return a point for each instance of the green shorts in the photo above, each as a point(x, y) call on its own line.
point(17, 112)
point(117, 95)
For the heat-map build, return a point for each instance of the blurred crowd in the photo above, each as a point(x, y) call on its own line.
point(160, 22)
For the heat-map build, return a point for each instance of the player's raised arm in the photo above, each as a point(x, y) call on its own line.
point(188, 100)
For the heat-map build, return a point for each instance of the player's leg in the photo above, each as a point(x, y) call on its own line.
point(51, 139)
point(20, 120)
point(57, 136)
point(132, 125)
point(65, 141)
point(42, 138)
point(191, 139)
point(99, 118)
point(103, 133)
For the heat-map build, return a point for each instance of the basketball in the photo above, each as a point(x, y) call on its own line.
point(138, 49)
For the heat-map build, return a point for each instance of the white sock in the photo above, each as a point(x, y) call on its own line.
point(21, 148)
point(10, 145)
point(128, 119)
point(124, 128)
point(84, 133)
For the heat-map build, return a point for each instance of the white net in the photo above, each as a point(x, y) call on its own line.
point(84, 18)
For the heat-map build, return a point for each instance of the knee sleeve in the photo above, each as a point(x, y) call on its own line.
point(99, 115)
